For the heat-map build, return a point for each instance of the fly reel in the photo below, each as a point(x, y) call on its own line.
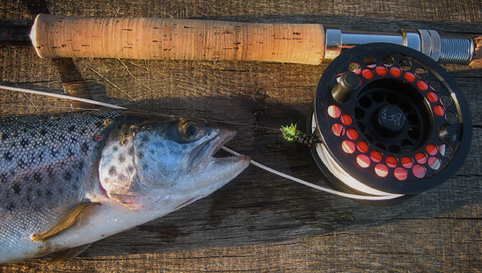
point(392, 122)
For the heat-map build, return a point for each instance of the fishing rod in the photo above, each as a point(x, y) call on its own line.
point(388, 121)
point(55, 36)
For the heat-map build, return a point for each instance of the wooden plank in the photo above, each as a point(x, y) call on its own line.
point(260, 222)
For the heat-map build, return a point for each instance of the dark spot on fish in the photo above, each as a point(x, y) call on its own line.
point(16, 188)
point(145, 138)
point(21, 164)
point(63, 165)
point(26, 177)
point(141, 155)
point(130, 152)
point(80, 165)
point(43, 132)
point(145, 167)
point(24, 143)
point(130, 169)
point(62, 138)
point(8, 156)
point(84, 148)
point(99, 124)
point(72, 128)
point(39, 194)
point(48, 193)
point(4, 136)
point(40, 156)
point(122, 158)
point(67, 175)
point(37, 177)
point(112, 170)
point(10, 207)
point(3, 177)
point(53, 152)
point(115, 148)
point(50, 171)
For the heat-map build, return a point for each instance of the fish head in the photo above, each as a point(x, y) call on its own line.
point(164, 165)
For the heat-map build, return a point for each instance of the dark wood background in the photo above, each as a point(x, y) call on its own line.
point(259, 222)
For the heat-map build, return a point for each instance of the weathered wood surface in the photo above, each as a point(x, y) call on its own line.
point(260, 222)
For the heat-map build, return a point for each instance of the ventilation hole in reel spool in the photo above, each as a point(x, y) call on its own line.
point(405, 64)
point(361, 126)
point(394, 149)
point(365, 102)
point(359, 113)
point(392, 98)
point(422, 73)
point(451, 117)
point(413, 133)
point(407, 145)
point(405, 106)
point(395, 157)
point(412, 119)
point(388, 60)
point(381, 146)
point(377, 97)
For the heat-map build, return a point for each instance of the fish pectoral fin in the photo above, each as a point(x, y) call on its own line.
point(65, 222)
point(68, 254)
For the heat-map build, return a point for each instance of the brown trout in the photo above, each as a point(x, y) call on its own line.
point(70, 179)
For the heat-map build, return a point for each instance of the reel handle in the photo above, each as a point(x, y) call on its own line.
point(56, 36)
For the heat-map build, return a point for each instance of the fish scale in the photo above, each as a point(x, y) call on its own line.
point(43, 159)
point(70, 179)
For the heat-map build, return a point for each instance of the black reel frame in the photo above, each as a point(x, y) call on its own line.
point(392, 118)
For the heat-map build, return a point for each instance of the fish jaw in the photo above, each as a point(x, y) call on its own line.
point(162, 168)
point(162, 194)
point(112, 217)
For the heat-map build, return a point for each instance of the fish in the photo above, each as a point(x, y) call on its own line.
point(70, 179)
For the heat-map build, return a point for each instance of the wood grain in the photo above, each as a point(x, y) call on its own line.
point(259, 222)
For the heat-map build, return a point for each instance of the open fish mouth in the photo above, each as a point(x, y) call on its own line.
point(203, 154)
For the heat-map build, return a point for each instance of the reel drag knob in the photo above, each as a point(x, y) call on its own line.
point(349, 81)
point(391, 121)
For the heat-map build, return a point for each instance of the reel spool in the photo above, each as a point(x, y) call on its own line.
point(391, 120)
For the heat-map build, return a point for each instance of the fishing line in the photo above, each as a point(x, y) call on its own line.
point(109, 105)
point(391, 121)
point(314, 186)
point(60, 96)
point(388, 122)
point(255, 163)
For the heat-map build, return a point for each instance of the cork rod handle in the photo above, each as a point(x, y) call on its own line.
point(176, 39)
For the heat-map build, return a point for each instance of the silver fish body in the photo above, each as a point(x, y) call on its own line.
point(133, 167)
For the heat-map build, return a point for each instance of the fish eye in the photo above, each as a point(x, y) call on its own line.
point(190, 130)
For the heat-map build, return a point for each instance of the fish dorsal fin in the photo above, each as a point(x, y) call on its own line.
point(68, 254)
point(65, 222)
